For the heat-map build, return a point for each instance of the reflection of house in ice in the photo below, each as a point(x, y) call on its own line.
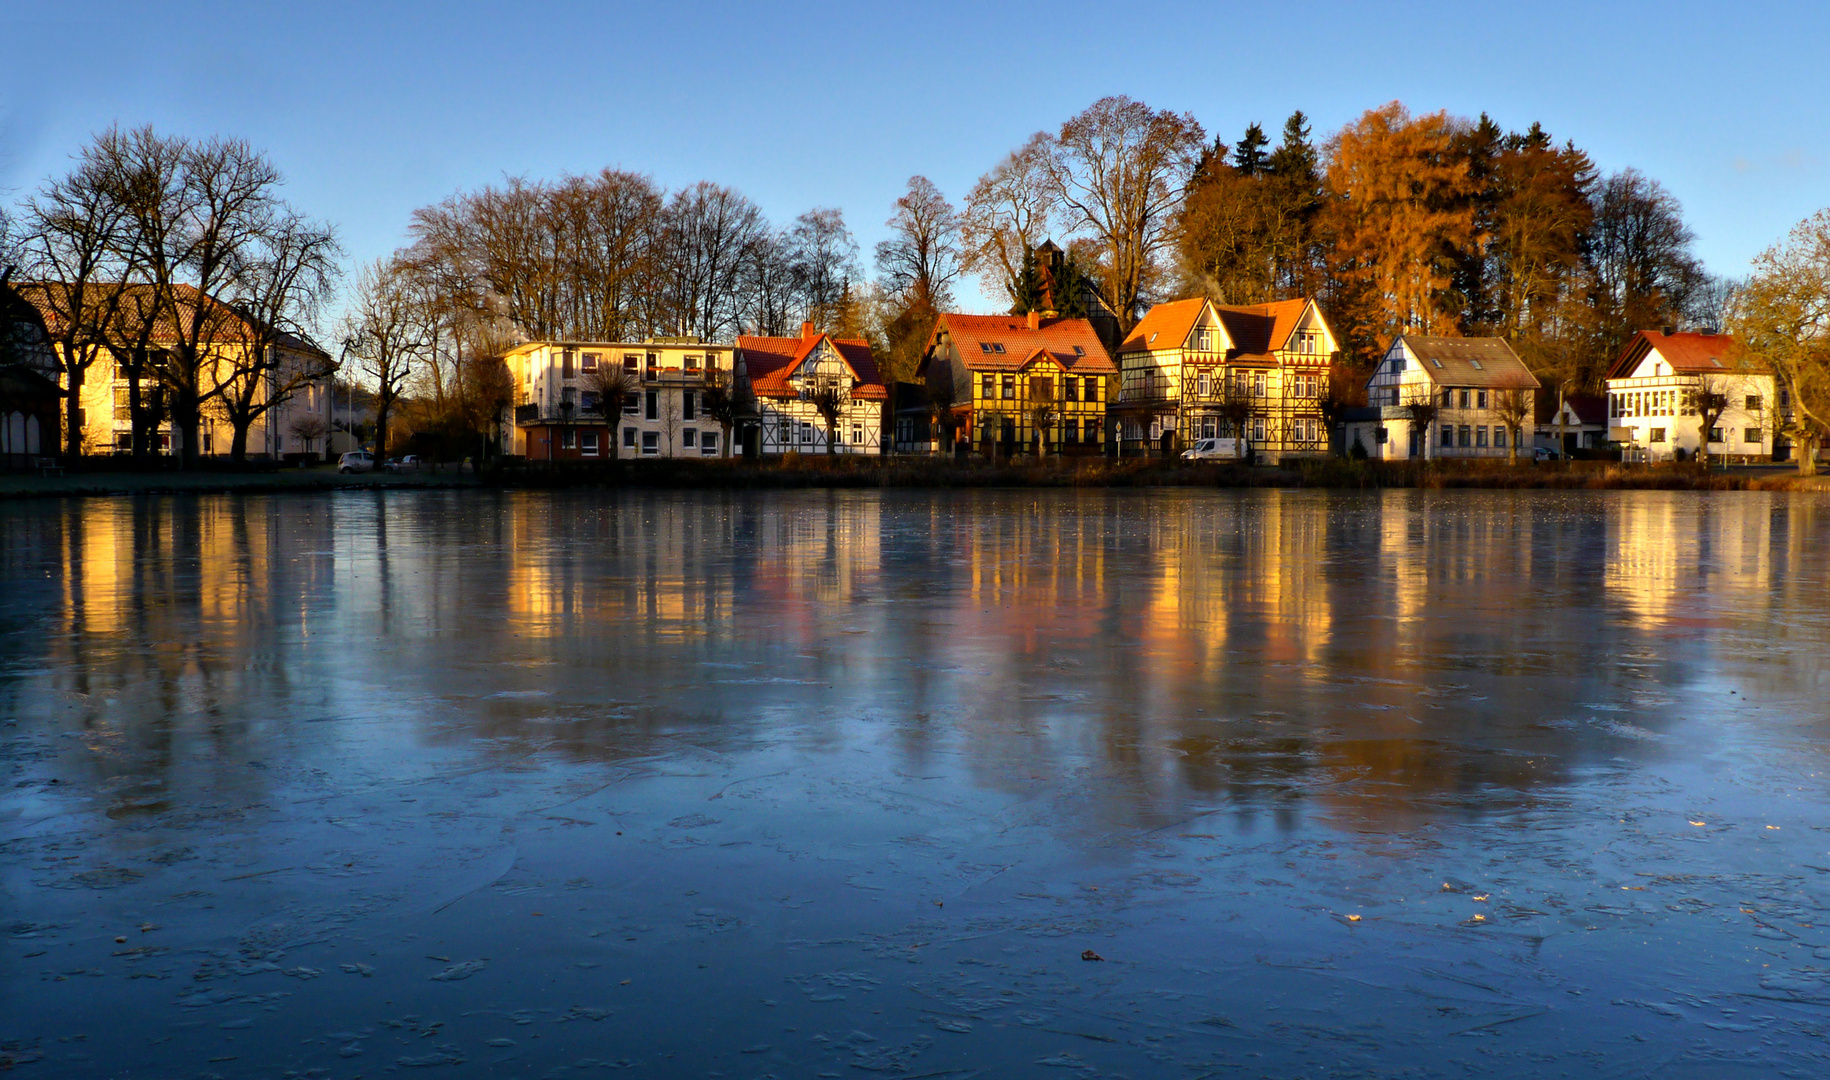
point(1674, 559)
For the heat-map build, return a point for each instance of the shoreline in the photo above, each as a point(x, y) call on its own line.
point(914, 473)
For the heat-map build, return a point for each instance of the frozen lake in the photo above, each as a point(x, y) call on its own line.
point(1408, 784)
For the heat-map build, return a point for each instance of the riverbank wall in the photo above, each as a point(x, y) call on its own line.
point(910, 472)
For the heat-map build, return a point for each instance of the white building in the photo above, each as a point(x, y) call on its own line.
point(786, 375)
point(1436, 397)
point(558, 413)
point(1654, 393)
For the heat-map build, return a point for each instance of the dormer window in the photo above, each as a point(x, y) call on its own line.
point(1476, 365)
point(1079, 351)
point(984, 346)
point(1435, 361)
point(998, 347)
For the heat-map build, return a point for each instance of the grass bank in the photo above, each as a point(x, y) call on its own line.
point(206, 481)
point(849, 472)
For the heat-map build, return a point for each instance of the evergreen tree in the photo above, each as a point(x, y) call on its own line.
point(1026, 293)
point(1249, 156)
point(1069, 289)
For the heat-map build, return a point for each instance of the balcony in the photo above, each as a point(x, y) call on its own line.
point(527, 414)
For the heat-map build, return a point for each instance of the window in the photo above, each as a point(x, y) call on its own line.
point(988, 386)
point(631, 361)
point(692, 365)
point(1092, 430)
point(1480, 436)
point(985, 346)
point(1070, 388)
point(565, 364)
point(1397, 364)
point(857, 434)
point(784, 432)
point(1476, 365)
point(1203, 339)
point(1499, 437)
point(1715, 435)
point(997, 347)
point(589, 441)
point(1464, 435)
point(1658, 435)
point(651, 409)
point(1096, 387)
point(1448, 435)
point(1750, 435)
point(1480, 399)
point(1080, 350)
point(651, 443)
point(708, 443)
point(1258, 429)
point(590, 363)
point(1258, 384)
point(688, 406)
point(1207, 427)
point(568, 439)
point(654, 367)
point(632, 404)
point(806, 432)
point(1010, 387)
point(1203, 384)
point(1437, 362)
point(1464, 403)
point(629, 437)
point(1753, 403)
point(587, 402)
point(689, 438)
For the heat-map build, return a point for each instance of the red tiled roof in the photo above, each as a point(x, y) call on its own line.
point(1686, 353)
point(769, 362)
point(1072, 343)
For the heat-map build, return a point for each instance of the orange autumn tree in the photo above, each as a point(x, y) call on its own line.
point(1399, 210)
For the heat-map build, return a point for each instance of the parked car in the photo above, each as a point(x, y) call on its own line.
point(1545, 453)
point(1226, 449)
point(356, 461)
point(408, 463)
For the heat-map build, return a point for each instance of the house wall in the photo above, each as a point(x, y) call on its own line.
point(665, 417)
point(1653, 415)
point(791, 425)
point(1182, 387)
point(1468, 417)
point(107, 422)
point(1003, 407)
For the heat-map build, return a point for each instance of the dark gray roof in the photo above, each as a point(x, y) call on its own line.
point(1483, 362)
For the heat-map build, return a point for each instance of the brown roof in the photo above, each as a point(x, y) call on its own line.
point(1686, 353)
point(1072, 343)
point(1261, 328)
point(1478, 362)
point(769, 362)
point(51, 298)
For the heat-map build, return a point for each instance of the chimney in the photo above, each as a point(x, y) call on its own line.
point(1668, 330)
point(1035, 320)
point(807, 331)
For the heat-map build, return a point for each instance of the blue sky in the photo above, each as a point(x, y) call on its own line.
point(374, 109)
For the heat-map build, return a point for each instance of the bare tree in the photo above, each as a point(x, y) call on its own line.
point(1043, 410)
point(387, 330)
point(1007, 215)
point(921, 260)
point(1782, 316)
point(1513, 407)
point(613, 385)
point(1118, 171)
point(285, 282)
point(724, 401)
point(704, 235)
point(1709, 401)
point(309, 428)
point(77, 244)
point(1420, 411)
point(829, 400)
point(823, 261)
